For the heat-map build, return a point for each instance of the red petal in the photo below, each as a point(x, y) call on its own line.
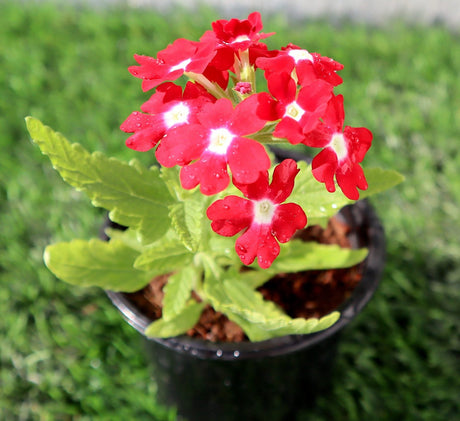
point(144, 140)
point(210, 172)
point(283, 180)
point(268, 249)
point(318, 138)
point(230, 215)
point(244, 120)
point(282, 87)
point(246, 245)
point(257, 190)
point(289, 129)
point(288, 218)
point(350, 181)
point(181, 49)
point(257, 241)
point(335, 114)
point(360, 139)
point(165, 93)
point(324, 166)
point(137, 121)
point(267, 108)
point(216, 115)
point(315, 97)
point(247, 158)
point(182, 145)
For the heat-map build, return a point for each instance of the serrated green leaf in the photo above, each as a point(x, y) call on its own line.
point(108, 265)
point(178, 325)
point(262, 319)
point(187, 219)
point(177, 291)
point(300, 255)
point(165, 255)
point(135, 196)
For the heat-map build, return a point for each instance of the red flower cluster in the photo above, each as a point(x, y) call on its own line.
point(215, 127)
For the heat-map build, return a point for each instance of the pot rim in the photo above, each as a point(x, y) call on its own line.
point(361, 214)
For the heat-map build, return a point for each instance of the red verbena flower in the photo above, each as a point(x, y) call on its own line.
point(299, 110)
point(239, 34)
point(308, 66)
point(168, 107)
point(263, 215)
point(181, 56)
point(344, 149)
point(237, 46)
point(205, 149)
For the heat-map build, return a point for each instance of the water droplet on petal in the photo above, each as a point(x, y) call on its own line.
point(241, 250)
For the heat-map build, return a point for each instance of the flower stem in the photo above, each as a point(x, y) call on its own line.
point(212, 88)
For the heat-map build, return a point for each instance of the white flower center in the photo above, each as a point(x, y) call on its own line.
point(263, 211)
point(178, 114)
point(241, 38)
point(294, 111)
point(182, 65)
point(339, 145)
point(299, 55)
point(220, 140)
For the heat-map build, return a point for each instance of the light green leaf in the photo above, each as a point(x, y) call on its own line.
point(262, 319)
point(135, 196)
point(262, 331)
point(223, 250)
point(253, 278)
point(187, 219)
point(178, 325)
point(320, 205)
point(300, 255)
point(165, 255)
point(108, 265)
point(313, 197)
point(380, 180)
point(177, 291)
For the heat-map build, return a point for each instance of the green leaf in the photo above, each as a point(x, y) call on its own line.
point(106, 264)
point(177, 291)
point(165, 255)
point(262, 319)
point(188, 213)
point(320, 205)
point(178, 325)
point(187, 219)
point(136, 197)
point(380, 180)
point(300, 255)
point(313, 197)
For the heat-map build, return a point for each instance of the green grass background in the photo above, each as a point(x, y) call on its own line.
point(66, 354)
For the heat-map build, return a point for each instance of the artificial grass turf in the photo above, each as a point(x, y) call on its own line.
point(65, 353)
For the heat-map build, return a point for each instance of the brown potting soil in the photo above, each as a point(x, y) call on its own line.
point(304, 294)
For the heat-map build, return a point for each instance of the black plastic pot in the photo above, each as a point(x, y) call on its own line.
point(269, 380)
